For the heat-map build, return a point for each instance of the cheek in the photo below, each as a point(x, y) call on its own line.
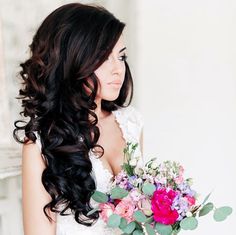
point(101, 72)
point(102, 76)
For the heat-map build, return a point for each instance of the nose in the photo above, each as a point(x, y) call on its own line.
point(117, 66)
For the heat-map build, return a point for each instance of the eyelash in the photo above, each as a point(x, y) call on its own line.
point(124, 57)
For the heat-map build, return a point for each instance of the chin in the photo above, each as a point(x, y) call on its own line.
point(111, 97)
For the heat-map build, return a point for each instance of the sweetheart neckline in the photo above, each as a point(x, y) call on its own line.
point(114, 112)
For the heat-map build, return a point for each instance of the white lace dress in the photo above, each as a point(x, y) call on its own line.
point(130, 122)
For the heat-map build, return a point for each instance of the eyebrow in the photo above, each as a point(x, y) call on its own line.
point(122, 49)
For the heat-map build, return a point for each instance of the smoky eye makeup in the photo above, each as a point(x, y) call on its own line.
point(123, 57)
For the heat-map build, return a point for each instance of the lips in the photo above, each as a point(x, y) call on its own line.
point(115, 82)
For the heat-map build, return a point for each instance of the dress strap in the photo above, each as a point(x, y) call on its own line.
point(38, 142)
point(131, 123)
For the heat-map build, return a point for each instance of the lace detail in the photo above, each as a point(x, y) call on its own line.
point(130, 122)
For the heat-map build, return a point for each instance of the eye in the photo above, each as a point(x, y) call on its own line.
point(123, 57)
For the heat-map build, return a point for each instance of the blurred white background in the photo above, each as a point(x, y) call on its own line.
point(183, 58)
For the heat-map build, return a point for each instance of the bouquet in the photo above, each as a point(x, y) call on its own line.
point(153, 199)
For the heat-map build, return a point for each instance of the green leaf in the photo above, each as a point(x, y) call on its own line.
point(189, 223)
point(206, 198)
point(206, 209)
point(99, 197)
point(138, 226)
point(114, 221)
point(128, 169)
point(93, 211)
point(149, 220)
point(129, 228)
point(150, 230)
point(150, 161)
point(118, 193)
point(123, 223)
point(138, 232)
point(148, 189)
point(222, 213)
point(140, 217)
point(176, 231)
point(163, 229)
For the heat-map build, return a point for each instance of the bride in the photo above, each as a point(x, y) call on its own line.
point(76, 93)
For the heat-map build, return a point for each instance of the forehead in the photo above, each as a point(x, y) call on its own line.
point(119, 44)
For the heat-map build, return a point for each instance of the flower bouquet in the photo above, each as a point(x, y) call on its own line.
point(153, 199)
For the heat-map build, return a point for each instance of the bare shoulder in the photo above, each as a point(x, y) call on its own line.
point(31, 153)
point(34, 195)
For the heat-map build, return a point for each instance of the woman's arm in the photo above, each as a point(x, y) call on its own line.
point(34, 196)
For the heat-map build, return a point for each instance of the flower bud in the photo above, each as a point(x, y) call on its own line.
point(154, 165)
point(190, 181)
point(133, 162)
point(189, 214)
point(138, 171)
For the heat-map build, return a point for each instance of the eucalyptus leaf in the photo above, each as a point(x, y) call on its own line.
point(129, 228)
point(206, 209)
point(163, 229)
point(93, 211)
point(99, 197)
point(149, 229)
point(149, 220)
point(222, 213)
point(148, 189)
point(138, 232)
point(189, 223)
point(123, 223)
point(118, 193)
point(114, 221)
point(206, 198)
point(138, 226)
point(140, 217)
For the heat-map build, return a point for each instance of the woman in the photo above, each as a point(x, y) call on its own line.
point(77, 88)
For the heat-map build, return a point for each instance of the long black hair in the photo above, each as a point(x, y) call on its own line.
point(70, 44)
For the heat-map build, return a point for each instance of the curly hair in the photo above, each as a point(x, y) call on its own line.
point(69, 45)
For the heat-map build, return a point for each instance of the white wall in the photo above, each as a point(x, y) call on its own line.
point(183, 56)
point(186, 73)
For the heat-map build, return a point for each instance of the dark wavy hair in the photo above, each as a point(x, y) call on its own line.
point(70, 44)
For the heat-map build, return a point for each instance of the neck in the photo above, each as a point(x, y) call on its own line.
point(99, 112)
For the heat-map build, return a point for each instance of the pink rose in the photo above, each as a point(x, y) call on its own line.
point(191, 200)
point(125, 208)
point(181, 170)
point(107, 210)
point(162, 201)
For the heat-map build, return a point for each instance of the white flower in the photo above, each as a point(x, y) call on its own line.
point(138, 171)
point(154, 165)
point(189, 214)
point(139, 180)
point(133, 162)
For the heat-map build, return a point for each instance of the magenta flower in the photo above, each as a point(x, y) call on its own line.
point(162, 201)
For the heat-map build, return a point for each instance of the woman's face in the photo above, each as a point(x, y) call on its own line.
point(111, 73)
